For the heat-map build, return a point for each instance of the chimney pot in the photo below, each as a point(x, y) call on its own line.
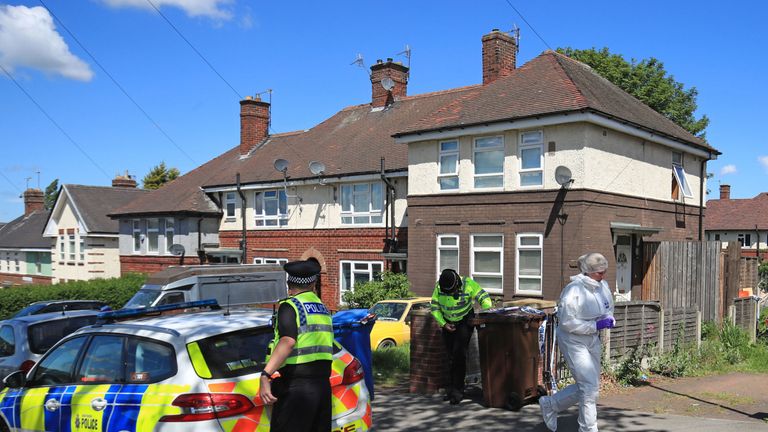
point(126, 181)
point(499, 55)
point(725, 191)
point(254, 123)
point(34, 200)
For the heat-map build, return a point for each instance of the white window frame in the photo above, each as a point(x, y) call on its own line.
point(150, 232)
point(261, 219)
point(527, 145)
point(369, 213)
point(441, 247)
point(169, 227)
point(678, 170)
point(38, 263)
point(136, 234)
point(82, 248)
point(447, 175)
point(230, 198)
point(71, 252)
point(499, 249)
point(62, 247)
point(265, 260)
point(475, 152)
point(353, 270)
point(518, 248)
point(17, 266)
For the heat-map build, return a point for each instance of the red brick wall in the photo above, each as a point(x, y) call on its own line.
point(395, 71)
point(151, 264)
point(587, 228)
point(328, 247)
point(429, 365)
point(499, 55)
point(254, 123)
point(17, 279)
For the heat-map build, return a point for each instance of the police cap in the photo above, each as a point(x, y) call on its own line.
point(302, 272)
point(448, 280)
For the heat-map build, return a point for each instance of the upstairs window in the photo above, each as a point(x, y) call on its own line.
point(489, 162)
point(449, 165)
point(531, 159)
point(679, 181)
point(271, 208)
point(71, 247)
point(230, 205)
point(136, 237)
point(170, 233)
point(82, 249)
point(153, 235)
point(362, 203)
point(62, 248)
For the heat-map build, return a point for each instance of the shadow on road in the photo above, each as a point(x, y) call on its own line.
point(757, 415)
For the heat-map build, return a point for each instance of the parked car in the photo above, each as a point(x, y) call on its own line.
point(393, 321)
point(24, 340)
point(46, 306)
point(187, 371)
point(227, 284)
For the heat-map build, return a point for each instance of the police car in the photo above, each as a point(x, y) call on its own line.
point(188, 371)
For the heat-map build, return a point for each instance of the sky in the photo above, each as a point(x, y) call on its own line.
point(94, 88)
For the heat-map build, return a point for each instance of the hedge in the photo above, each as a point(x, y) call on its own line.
point(115, 292)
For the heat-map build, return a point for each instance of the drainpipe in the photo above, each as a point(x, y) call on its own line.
point(390, 202)
point(200, 252)
point(702, 176)
point(243, 241)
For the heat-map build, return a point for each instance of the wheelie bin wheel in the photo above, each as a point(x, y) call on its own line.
point(514, 402)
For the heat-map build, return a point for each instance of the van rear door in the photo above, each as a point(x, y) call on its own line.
point(240, 289)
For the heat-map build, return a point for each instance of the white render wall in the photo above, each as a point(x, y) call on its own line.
point(319, 208)
point(614, 162)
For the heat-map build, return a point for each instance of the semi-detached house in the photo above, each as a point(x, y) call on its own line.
point(461, 178)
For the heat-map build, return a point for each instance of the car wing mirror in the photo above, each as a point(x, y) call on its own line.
point(17, 379)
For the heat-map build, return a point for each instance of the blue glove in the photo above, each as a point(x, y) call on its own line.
point(605, 323)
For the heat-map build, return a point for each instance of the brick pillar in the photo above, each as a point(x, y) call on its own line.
point(429, 362)
point(34, 200)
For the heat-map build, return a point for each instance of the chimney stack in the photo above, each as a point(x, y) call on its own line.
point(725, 191)
point(254, 123)
point(33, 201)
point(126, 181)
point(385, 91)
point(499, 55)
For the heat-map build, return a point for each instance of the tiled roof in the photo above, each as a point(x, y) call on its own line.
point(94, 203)
point(737, 214)
point(550, 83)
point(25, 232)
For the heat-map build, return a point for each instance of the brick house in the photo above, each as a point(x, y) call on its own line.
point(482, 190)
point(25, 255)
point(82, 239)
point(742, 220)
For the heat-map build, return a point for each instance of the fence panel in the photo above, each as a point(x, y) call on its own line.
point(637, 324)
point(681, 326)
point(745, 315)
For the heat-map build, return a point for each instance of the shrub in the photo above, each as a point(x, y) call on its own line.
point(709, 330)
point(389, 286)
point(735, 342)
point(630, 370)
point(675, 363)
point(762, 271)
point(115, 292)
point(762, 325)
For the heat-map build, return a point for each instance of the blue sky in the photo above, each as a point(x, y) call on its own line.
point(302, 50)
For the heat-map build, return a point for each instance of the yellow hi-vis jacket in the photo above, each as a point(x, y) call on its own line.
point(447, 308)
point(315, 338)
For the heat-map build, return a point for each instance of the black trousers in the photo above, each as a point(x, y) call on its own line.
point(456, 344)
point(303, 405)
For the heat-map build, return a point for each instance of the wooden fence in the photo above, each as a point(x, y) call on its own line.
point(744, 313)
point(748, 275)
point(684, 274)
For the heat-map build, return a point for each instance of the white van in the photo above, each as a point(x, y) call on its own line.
point(228, 284)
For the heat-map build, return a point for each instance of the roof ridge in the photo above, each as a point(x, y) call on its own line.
point(418, 96)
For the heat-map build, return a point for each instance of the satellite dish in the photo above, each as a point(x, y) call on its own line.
point(387, 83)
point(176, 249)
point(563, 175)
point(316, 167)
point(281, 165)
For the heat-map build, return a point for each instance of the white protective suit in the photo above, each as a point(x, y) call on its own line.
point(582, 303)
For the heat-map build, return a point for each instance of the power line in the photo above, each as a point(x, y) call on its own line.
point(193, 48)
point(45, 113)
point(529, 24)
point(162, 131)
point(9, 180)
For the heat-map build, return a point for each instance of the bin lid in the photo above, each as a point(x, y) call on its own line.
point(352, 318)
point(513, 313)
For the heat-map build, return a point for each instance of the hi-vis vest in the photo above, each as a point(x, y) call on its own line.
point(446, 308)
point(315, 338)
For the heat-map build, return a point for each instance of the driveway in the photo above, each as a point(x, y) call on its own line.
point(397, 410)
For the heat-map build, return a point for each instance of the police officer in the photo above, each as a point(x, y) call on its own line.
point(452, 308)
point(302, 352)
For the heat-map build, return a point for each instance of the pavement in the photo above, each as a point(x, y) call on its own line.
point(397, 410)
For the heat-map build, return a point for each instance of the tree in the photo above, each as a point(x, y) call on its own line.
point(158, 176)
point(51, 193)
point(389, 286)
point(647, 81)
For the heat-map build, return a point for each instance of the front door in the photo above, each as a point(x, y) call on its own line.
point(623, 268)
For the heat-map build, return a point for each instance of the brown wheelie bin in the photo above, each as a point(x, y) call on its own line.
point(509, 357)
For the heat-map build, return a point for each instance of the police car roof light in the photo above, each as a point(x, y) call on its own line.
point(139, 312)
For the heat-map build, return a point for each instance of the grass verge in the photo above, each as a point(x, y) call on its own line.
point(392, 366)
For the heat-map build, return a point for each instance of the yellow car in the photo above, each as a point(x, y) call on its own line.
point(393, 321)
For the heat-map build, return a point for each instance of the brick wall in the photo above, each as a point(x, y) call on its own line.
point(587, 228)
point(328, 247)
point(429, 365)
point(151, 264)
point(18, 279)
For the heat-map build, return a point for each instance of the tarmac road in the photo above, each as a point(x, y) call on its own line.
point(398, 410)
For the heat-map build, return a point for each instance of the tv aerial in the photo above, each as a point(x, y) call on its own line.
point(563, 176)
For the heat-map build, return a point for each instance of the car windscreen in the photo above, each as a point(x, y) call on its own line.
point(235, 354)
point(388, 311)
point(43, 335)
point(143, 298)
point(7, 341)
